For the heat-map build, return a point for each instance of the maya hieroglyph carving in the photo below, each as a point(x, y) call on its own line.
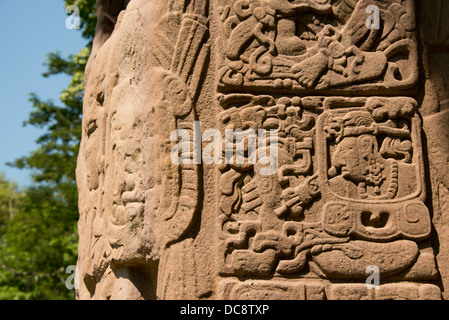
point(350, 186)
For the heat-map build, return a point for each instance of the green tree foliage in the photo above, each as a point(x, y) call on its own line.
point(9, 199)
point(39, 240)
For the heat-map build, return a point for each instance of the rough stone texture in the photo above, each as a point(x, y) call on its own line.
point(434, 94)
point(362, 177)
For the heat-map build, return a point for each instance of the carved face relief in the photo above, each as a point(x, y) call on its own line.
point(356, 183)
point(347, 190)
point(350, 160)
point(370, 156)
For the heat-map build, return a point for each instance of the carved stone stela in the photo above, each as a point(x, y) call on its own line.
point(350, 189)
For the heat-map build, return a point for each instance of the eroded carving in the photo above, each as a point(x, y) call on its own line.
point(143, 205)
point(348, 190)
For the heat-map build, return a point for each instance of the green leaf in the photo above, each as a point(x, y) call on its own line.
point(38, 225)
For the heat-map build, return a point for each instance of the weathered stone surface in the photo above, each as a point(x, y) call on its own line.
point(354, 122)
point(434, 93)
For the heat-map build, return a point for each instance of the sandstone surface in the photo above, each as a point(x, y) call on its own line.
point(355, 123)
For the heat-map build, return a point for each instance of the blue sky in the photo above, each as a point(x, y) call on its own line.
point(28, 31)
